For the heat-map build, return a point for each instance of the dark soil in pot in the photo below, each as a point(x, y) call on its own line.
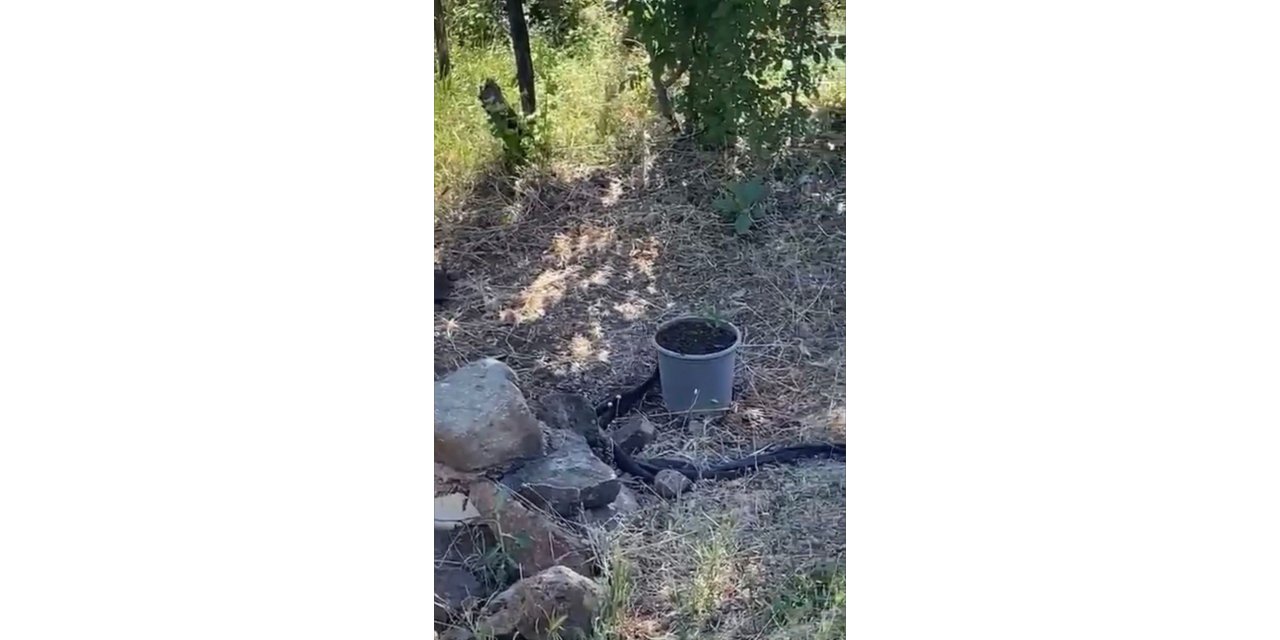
point(696, 337)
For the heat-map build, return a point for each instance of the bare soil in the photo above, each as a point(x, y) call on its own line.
point(696, 337)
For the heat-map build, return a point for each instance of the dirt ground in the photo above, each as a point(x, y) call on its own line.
point(566, 275)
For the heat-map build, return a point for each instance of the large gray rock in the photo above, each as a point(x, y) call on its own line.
point(568, 479)
point(534, 539)
point(531, 605)
point(634, 433)
point(481, 419)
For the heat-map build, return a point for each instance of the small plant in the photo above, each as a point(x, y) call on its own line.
point(525, 137)
point(619, 581)
point(498, 563)
point(812, 605)
point(738, 204)
point(555, 625)
point(509, 127)
point(538, 124)
point(713, 575)
point(497, 567)
point(710, 313)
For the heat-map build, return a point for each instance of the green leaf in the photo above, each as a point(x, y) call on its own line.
point(726, 205)
point(742, 223)
point(748, 194)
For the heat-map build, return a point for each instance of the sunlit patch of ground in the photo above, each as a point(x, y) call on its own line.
point(546, 290)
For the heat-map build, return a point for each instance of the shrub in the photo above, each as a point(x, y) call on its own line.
point(476, 23)
point(750, 64)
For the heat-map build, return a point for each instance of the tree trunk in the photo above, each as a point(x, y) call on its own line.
point(442, 42)
point(524, 59)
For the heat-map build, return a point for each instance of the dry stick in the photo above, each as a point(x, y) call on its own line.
point(685, 414)
point(684, 423)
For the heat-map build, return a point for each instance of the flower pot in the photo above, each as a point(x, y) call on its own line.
point(696, 359)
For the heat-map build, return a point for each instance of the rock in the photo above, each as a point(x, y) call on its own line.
point(612, 515)
point(531, 537)
point(626, 502)
point(566, 480)
point(568, 411)
point(634, 434)
point(481, 419)
point(573, 412)
point(453, 509)
point(457, 591)
point(457, 633)
point(670, 483)
point(557, 594)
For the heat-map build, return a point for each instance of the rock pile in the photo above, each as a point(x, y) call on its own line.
point(537, 481)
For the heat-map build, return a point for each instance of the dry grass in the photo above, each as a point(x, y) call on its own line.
point(756, 557)
point(564, 276)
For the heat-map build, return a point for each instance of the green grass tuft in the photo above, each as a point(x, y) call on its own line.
point(713, 575)
point(811, 606)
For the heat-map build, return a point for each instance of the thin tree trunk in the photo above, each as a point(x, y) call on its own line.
point(524, 59)
point(442, 42)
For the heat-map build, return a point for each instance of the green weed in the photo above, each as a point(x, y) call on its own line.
point(811, 606)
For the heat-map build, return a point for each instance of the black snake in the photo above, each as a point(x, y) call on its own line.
point(647, 468)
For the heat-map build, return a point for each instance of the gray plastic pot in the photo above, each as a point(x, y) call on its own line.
point(697, 383)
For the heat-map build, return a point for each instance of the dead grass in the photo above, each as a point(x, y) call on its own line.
point(566, 273)
point(756, 557)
